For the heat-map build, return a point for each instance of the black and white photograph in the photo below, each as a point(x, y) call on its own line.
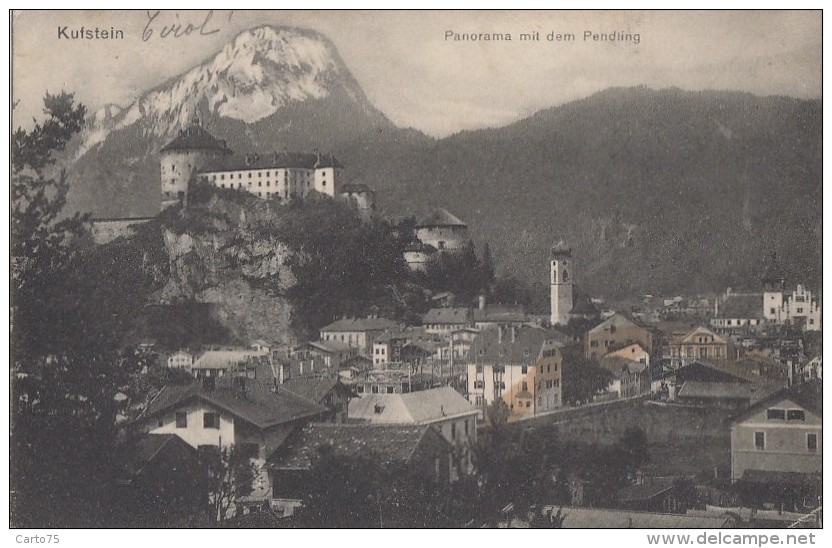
point(436, 269)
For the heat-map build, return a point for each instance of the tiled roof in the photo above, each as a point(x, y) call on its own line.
point(699, 371)
point(716, 390)
point(272, 160)
point(311, 388)
point(619, 366)
point(807, 395)
point(741, 307)
point(500, 313)
point(458, 315)
point(420, 407)
point(440, 217)
point(259, 405)
point(618, 320)
point(360, 324)
point(392, 443)
point(149, 445)
point(493, 348)
point(196, 138)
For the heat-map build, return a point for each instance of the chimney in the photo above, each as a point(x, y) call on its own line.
point(499, 334)
point(481, 302)
point(240, 385)
point(513, 333)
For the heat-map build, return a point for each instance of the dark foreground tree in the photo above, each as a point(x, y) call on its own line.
point(63, 408)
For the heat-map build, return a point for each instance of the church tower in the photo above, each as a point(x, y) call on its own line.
point(774, 284)
point(562, 283)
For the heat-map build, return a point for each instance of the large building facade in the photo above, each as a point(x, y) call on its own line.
point(522, 366)
point(281, 175)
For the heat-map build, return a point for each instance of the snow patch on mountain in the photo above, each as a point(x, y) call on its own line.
point(251, 78)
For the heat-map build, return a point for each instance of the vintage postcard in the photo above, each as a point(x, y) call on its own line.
point(417, 269)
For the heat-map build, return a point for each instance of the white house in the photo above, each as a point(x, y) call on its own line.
point(181, 360)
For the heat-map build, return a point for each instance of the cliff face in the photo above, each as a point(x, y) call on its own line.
point(214, 253)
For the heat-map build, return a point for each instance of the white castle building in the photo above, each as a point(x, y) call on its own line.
point(195, 154)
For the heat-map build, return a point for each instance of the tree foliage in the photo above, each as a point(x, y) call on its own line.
point(583, 379)
point(227, 476)
point(63, 408)
point(361, 491)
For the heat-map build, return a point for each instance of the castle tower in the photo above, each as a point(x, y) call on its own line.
point(562, 283)
point(183, 157)
point(774, 284)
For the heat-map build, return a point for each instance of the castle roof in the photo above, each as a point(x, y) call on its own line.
point(440, 217)
point(195, 137)
point(272, 160)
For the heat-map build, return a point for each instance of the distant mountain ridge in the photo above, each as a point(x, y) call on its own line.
point(656, 190)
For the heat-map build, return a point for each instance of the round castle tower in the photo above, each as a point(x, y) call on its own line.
point(183, 157)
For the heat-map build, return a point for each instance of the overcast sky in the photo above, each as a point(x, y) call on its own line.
point(419, 79)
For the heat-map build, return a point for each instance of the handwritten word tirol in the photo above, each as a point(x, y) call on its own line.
point(176, 29)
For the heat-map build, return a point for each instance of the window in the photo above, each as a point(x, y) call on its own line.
point(502, 385)
point(772, 311)
point(360, 388)
point(211, 420)
point(528, 404)
point(760, 440)
point(524, 386)
point(593, 344)
point(160, 423)
point(375, 390)
point(453, 431)
point(812, 443)
point(181, 419)
point(479, 367)
point(477, 385)
point(466, 428)
point(524, 369)
point(776, 414)
point(389, 389)
point(378, 409)
point(800, 311)
point(796, 415)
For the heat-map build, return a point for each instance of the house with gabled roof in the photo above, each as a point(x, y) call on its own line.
point(255, 413)
point(445, 320)
point(699, 343)
point(443, 408)
point(356, 332)
point(778, 442)
point(619, 331)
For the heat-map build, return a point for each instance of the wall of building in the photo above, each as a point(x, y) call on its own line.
point(786, 444)
point(599, 342)
point(195, 434)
